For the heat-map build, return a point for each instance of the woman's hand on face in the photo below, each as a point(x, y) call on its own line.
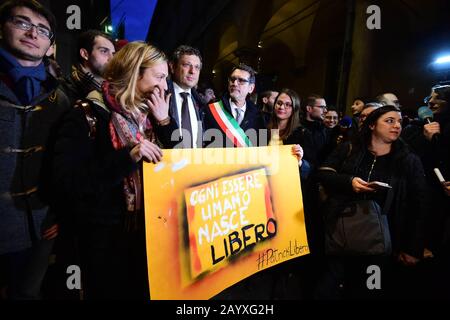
point(359, 185)
point(146, 150)
point(158, 103)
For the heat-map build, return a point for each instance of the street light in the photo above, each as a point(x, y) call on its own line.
point(441, 63)
point(441, 60)
point(441, 68)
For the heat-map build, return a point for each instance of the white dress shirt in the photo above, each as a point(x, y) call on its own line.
point(234, 107)
point(192, 113)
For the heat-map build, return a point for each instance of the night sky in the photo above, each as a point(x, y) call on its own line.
point(137, 13)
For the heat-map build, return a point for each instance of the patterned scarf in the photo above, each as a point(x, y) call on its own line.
point(124, 131)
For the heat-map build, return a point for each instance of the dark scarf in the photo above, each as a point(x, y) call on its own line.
point(124, 131)
point(26, 80)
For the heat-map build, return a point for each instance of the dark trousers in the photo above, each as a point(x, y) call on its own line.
point(348, 277)
point(25, 270)
point(113, 263)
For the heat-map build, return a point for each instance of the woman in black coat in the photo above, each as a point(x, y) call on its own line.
point(377, 154)
point(292, 279)
point(284, 126)
point(98, 172)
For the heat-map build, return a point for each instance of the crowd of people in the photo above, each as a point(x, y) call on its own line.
point(72, 148)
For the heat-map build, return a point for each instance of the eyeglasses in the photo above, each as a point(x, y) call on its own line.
point(331, 117)
point(241, 81)
point(25, 25)
point(321, 107)
point(280, 103)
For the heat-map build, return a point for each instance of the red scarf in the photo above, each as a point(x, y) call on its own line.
point(124, 131)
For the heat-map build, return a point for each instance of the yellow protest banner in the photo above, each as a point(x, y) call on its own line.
point(217, 216)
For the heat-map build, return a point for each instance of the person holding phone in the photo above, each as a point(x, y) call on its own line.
point(364, 169)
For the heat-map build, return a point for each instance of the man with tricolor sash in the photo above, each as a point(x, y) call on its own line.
point(234, 117)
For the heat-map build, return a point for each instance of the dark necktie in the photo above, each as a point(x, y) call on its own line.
point(186, 120)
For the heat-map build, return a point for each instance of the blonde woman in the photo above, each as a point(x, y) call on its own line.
point(97, 171)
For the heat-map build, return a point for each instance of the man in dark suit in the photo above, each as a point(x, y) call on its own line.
point(234, 111)
point(182, 127)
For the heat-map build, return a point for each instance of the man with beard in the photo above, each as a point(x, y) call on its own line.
point(316, 138)
point(234, 118)
point(265, 105)
point(317, 143)
point(95, 49)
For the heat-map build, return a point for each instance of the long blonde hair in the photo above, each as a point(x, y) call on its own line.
point(124, 70)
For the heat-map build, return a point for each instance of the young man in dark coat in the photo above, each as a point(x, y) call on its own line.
point(95, 49)
point(31, 106)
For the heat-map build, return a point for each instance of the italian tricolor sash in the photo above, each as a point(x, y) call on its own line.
point(229, 125)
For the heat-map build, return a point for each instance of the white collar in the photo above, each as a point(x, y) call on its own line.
point(234, 106)
point(177, 89)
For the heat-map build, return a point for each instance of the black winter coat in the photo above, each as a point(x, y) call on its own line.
point(410, 203)
point(27, 135)
point(89, 172)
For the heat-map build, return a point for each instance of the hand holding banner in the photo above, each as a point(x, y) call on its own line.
point(210, 224)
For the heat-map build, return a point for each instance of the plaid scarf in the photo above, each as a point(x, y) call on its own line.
point(124, 132)
point(84, 82)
